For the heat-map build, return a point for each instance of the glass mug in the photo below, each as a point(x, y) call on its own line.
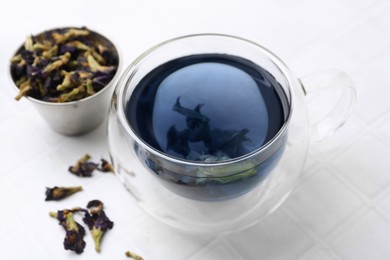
point(209, 133)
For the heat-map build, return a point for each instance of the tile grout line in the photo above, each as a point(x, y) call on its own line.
point(348, 221)
point(318, 241)
point(213, 242)
point(359, 212)
point(227, 243)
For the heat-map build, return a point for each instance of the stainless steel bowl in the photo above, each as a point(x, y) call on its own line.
point(81, 116)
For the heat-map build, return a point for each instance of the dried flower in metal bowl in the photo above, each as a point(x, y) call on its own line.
point(63, 65)
point(68, 75)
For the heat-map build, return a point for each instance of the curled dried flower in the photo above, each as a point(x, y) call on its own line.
point(71, 33)
point(105, 166)
point(52, 52)
point(95, 207)
point(97, 221)
point(74, 238)
point(28, 44)
point(79, 45)
point(89, 87)
point(71, 79)
point(62, 60)
point(95, 66)
point(133, 255)
point(24, 88)
point(83, 167)
point(59, 193)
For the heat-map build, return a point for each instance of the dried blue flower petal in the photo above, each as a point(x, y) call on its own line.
point(27, 56)
point(97, 222)
point(133, 255)
point(59, 193)
point(105, 166)
point(74, 238)
point(83, 167)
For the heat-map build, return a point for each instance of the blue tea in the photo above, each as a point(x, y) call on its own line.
point(209, 107)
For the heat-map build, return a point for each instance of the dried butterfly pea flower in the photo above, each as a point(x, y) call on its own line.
point(83, 167)
point(71, 33)
point(59, 193)
point(133, 255)
point(74, 238)
point(29, 44)
point(97, 222)
point(59, 52)
point(50, 53)
point(95, 66)
point(105, 166)
point(23, 89)
point(62, 60)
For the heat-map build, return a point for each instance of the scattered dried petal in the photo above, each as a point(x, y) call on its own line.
point(97, 222)
point(133, 255)
point(105, 166)
point(74, 238)
point(83, 167)
point(59, 193)
point(95, 207)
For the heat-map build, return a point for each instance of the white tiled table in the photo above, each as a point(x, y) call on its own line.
point(341, 206)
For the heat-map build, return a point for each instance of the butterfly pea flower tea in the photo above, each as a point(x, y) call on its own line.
point(209, 108)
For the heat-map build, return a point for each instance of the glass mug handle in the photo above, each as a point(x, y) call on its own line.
point(330, 96)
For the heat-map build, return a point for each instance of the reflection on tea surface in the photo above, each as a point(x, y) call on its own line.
point(208, 107)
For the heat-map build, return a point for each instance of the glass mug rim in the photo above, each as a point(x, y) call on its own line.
point(131, 70)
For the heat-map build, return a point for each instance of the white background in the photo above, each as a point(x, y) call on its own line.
point(341, 206)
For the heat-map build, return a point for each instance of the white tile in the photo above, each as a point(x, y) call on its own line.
point(326, 150)
point(155, 239)
point(318, 253)
point(366, 7)
point(320, 55)
point(381, 18)
point(24, 245)
point(383, 203)
point(381, 129)
point(322, 203)
point(366, 239)
point(364, 42)
point(11, 223)
point(295, 33)
point(276, 237)
point(218, 250)
point(322, 153)
point(316, 15)
point(371, 104)
point(365, 165)
point(17, 144)
point(375, 68)
point(7, 108)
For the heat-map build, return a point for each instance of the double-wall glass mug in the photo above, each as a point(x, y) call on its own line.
point(209, 133)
